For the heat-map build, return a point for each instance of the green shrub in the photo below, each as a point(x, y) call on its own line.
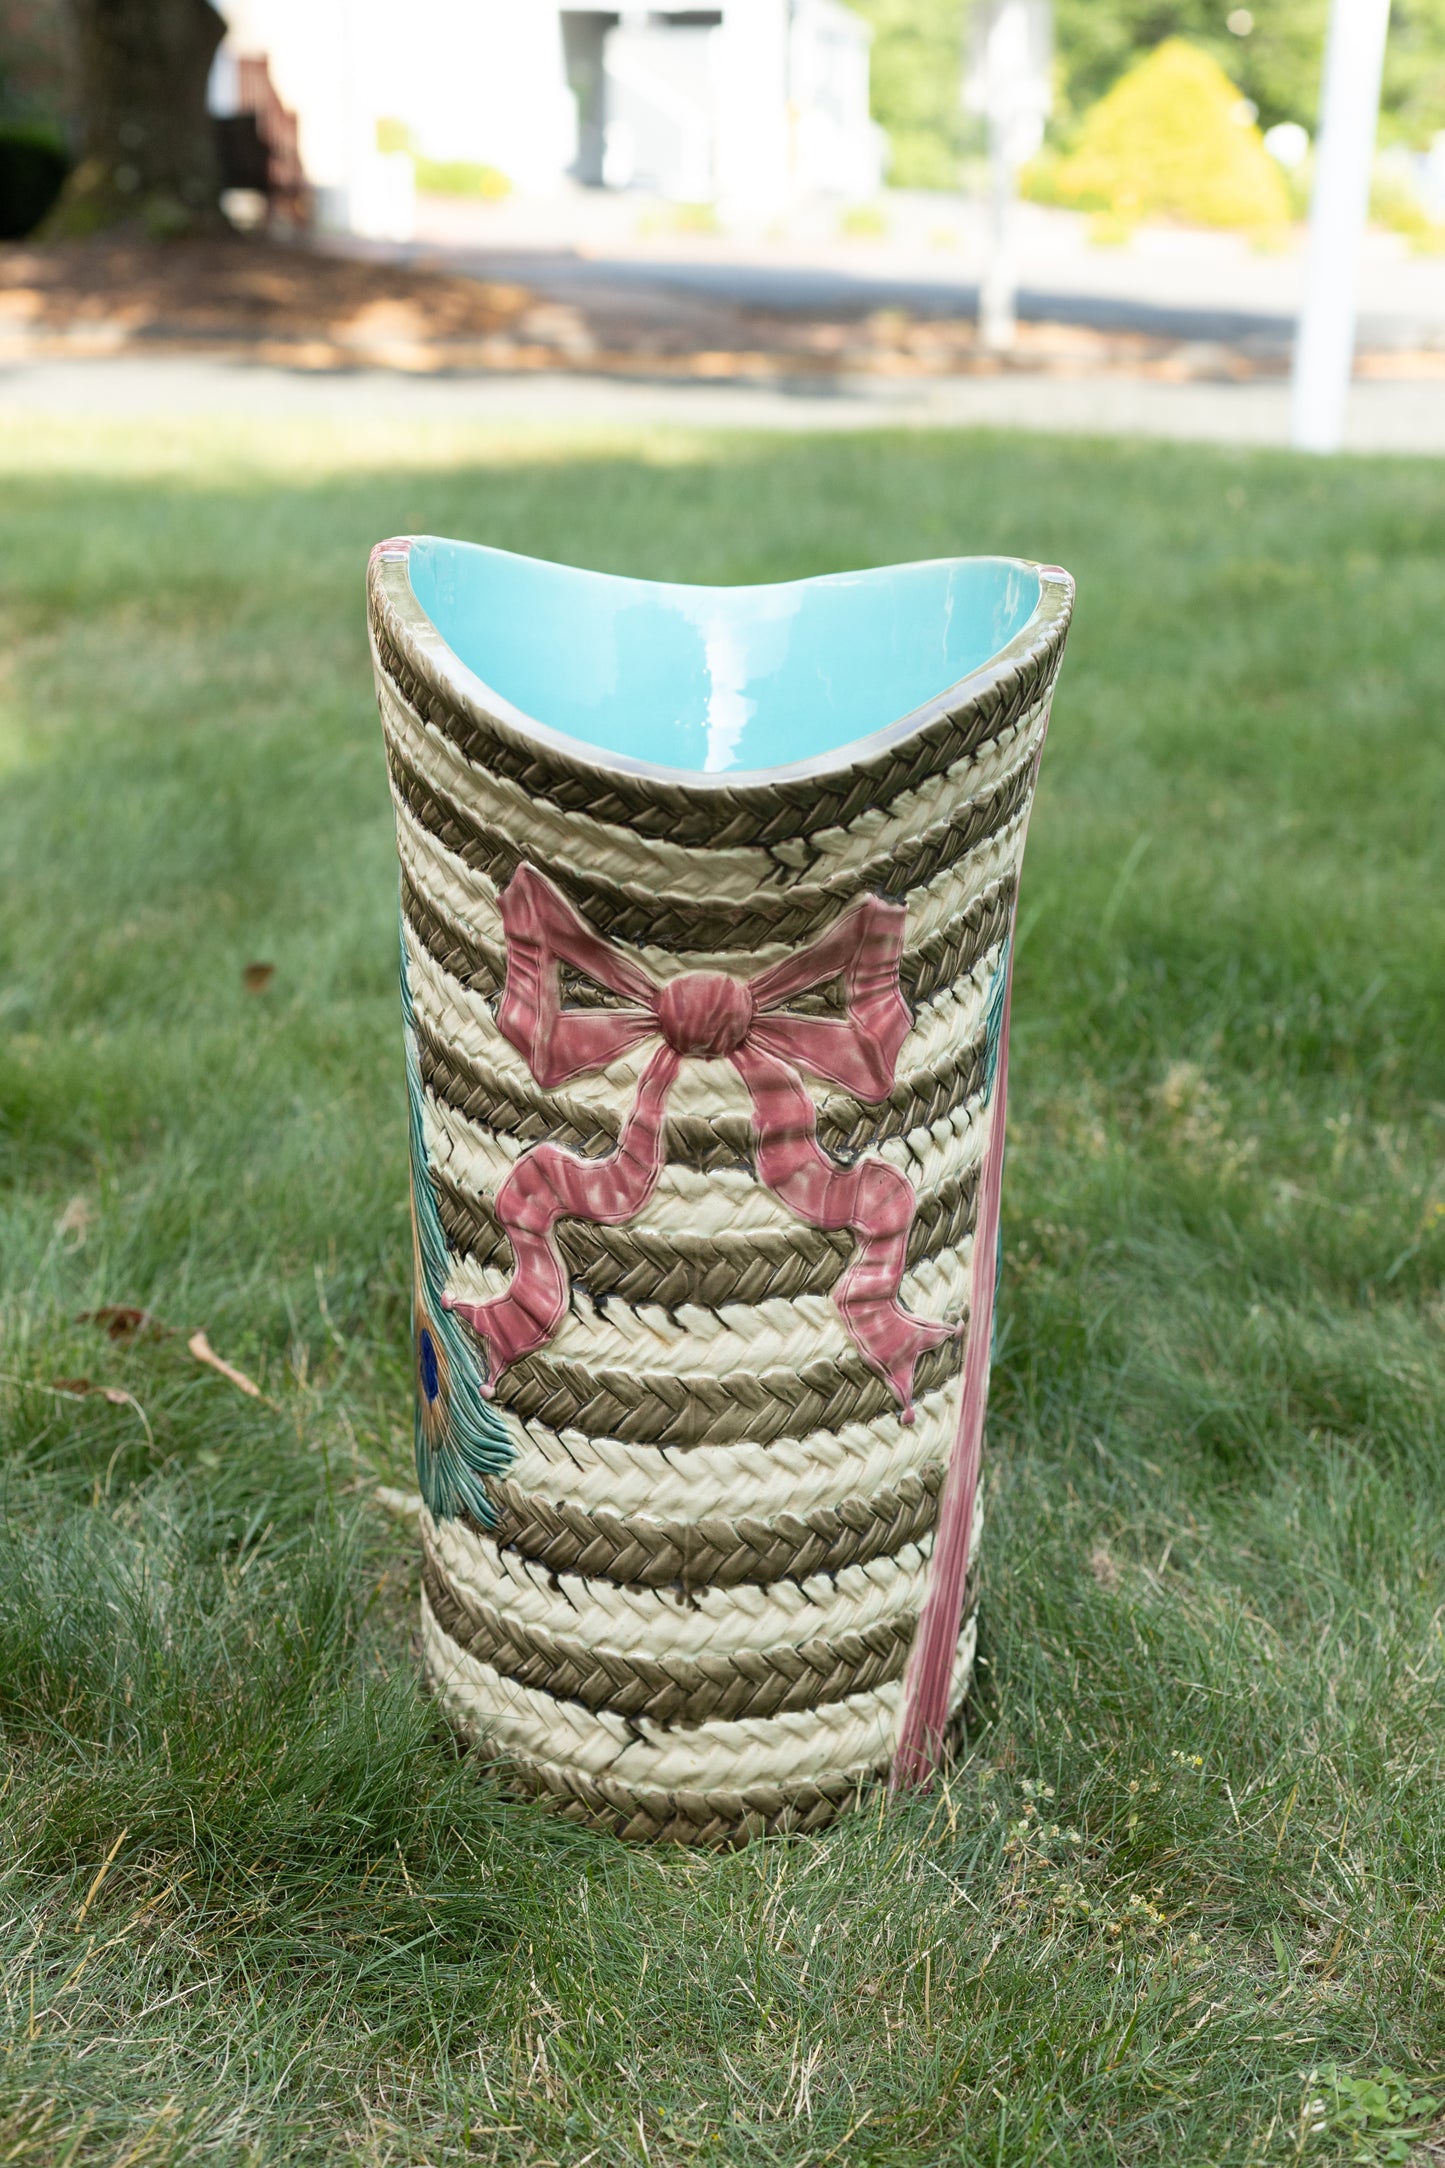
point(1396, 205)
point(458, 177)
point(392, 135)
point(441, 176)
point(914, 74)
point(33, 167)
point(1173, 139)
point(679, 218)
point(1276, 62)
point(863, 222)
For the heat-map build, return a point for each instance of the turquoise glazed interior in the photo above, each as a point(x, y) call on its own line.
point(710, 679)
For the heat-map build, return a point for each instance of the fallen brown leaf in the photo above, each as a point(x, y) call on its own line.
point(82, 1388)
point(123, 1321)
point(257, 977)
point(203, 1351)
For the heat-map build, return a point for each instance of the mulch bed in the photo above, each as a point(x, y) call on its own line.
point(251, 298)
point(243, 296)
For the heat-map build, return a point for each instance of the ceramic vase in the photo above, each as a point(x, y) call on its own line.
point(706, 910)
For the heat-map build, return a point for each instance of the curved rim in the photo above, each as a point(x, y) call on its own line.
point(1037, 643)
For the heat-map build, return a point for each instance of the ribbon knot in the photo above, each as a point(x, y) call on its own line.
point(705, 1013)
point(710, 1016)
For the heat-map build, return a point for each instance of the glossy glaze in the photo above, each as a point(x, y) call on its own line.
point(712, 680)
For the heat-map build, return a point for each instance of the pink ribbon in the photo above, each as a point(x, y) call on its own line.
point(708, 1016)
point(923, 1714)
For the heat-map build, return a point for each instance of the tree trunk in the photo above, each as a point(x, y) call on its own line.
point(149, 155)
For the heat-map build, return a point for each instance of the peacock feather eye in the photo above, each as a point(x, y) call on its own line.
point(428, 1369)
point(433, 1371)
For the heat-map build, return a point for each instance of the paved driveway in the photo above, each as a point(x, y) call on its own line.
point(1168, 282)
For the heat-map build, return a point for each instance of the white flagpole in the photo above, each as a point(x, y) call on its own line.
point(1345, 149)
point(1008, 82)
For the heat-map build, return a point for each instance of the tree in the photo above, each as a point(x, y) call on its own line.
point(1167, 141)
point(37, 64)
point(1275, 61)
point(916, 66)
point(1273, 49)
point(148, 144)
point(1274, 52)
point(1412, 102)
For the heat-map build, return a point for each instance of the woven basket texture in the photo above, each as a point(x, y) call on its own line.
point(679, 1598)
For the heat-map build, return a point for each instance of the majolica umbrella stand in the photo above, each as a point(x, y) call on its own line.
point(706, 909)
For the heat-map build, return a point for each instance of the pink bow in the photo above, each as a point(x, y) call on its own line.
point(711, 1017)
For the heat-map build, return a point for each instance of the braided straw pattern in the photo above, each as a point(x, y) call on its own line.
point(626, 911)
point(789, 1476)
point(644, 1266)
point(640, 1265)
point(715, 1553)
point(655, 1407)
point(458, 952)
point(528, 1720)
point(711, 1816)
point(716, 1820)
point(700, 1657)
point(483, 823)
point(672, 1689)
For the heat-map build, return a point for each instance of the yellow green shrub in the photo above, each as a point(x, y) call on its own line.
point(1172, 139)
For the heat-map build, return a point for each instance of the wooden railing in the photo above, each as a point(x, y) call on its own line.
point(286, 189)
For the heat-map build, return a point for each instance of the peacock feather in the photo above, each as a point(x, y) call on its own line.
point(998, 989)
point(460, 1438)
point(994, 1014)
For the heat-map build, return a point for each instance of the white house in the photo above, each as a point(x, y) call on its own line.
point(747, 104)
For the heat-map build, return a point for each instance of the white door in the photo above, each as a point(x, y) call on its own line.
point(661, 108)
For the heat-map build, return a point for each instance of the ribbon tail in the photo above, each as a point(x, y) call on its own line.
point(930, 1666)
point(918, 1749)
point(548, 1184)
point(889, 1337)
point(924, 1714)
point(873, 1200)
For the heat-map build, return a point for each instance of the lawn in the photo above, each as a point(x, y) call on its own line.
point(1183, 1896)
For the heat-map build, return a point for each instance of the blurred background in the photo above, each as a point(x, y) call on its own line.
point(1074, 213)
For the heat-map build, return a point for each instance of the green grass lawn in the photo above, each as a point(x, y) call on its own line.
point(1183, 1899)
